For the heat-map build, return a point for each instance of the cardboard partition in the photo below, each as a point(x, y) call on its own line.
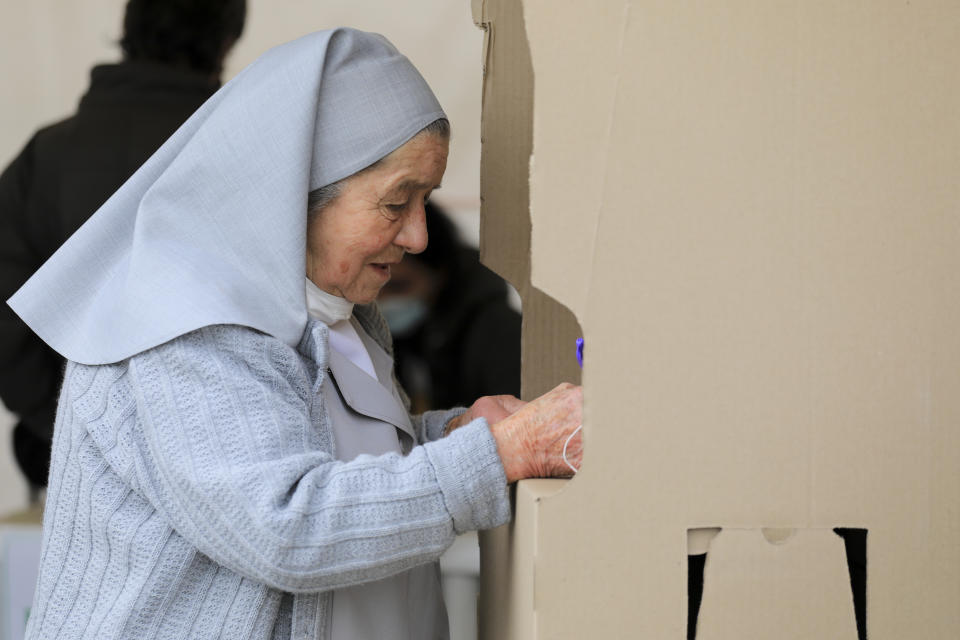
point(751, 579)
point(549, 330)
point(753, 211)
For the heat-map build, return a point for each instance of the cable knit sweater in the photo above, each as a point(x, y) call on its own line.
point(194, 494)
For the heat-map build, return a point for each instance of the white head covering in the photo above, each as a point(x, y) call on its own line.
point(212, 228)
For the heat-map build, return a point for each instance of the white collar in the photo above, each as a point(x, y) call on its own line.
point(327, 307)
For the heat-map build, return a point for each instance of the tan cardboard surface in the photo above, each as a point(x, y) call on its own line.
point(549, 329)
point(509, 566)
point(753, 209)
point(749, 579)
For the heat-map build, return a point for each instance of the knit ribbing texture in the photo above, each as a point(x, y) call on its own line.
point(194, 494)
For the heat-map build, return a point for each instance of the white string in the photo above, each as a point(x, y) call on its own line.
point(569, 438)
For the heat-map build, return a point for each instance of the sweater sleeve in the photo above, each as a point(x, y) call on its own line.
point(429, 425)
point(224, 447)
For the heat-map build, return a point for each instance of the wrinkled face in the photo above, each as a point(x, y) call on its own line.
point(378, 216)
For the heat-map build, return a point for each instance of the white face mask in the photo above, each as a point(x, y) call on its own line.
point(404, 314)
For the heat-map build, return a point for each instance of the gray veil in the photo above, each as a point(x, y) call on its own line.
point(212, 228)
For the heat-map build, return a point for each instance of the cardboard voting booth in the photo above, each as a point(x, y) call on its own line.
point(751, 212)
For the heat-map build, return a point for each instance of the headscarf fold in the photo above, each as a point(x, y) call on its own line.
point(212, 228)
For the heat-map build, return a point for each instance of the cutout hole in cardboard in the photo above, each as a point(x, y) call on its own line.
point(734, 597)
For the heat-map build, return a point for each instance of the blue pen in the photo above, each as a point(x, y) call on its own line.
point(570, 437)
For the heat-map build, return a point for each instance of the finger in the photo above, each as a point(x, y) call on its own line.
point(456, 422)
point(511, 403)
point(490, 408)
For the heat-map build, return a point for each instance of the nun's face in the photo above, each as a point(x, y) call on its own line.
point(378, 216)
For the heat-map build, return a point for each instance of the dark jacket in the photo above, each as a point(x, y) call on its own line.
point(468, 347)
point(65, 172)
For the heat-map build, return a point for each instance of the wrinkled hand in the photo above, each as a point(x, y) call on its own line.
point(530, 441)
point(493, 408)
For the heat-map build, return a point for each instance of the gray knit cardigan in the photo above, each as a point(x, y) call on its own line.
point(194, 494)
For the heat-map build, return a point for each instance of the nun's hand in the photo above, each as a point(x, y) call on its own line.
point(493, 408)
point(531, 440)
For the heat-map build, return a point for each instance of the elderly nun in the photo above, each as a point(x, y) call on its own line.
point(232, 456)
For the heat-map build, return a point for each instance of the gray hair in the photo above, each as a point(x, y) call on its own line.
point(320, 199)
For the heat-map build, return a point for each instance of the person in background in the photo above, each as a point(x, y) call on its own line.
point(173, 55)
point(455, 336)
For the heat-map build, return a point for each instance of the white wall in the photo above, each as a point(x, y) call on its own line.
point(48, 46)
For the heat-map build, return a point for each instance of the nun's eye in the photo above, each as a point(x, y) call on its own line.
point(394, 212)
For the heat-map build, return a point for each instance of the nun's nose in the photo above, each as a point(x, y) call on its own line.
point(413, 235)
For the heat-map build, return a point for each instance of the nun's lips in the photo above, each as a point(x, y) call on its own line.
point(382, 268)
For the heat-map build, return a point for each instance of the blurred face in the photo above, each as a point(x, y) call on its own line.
point(405, 301)
point(353, 243)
